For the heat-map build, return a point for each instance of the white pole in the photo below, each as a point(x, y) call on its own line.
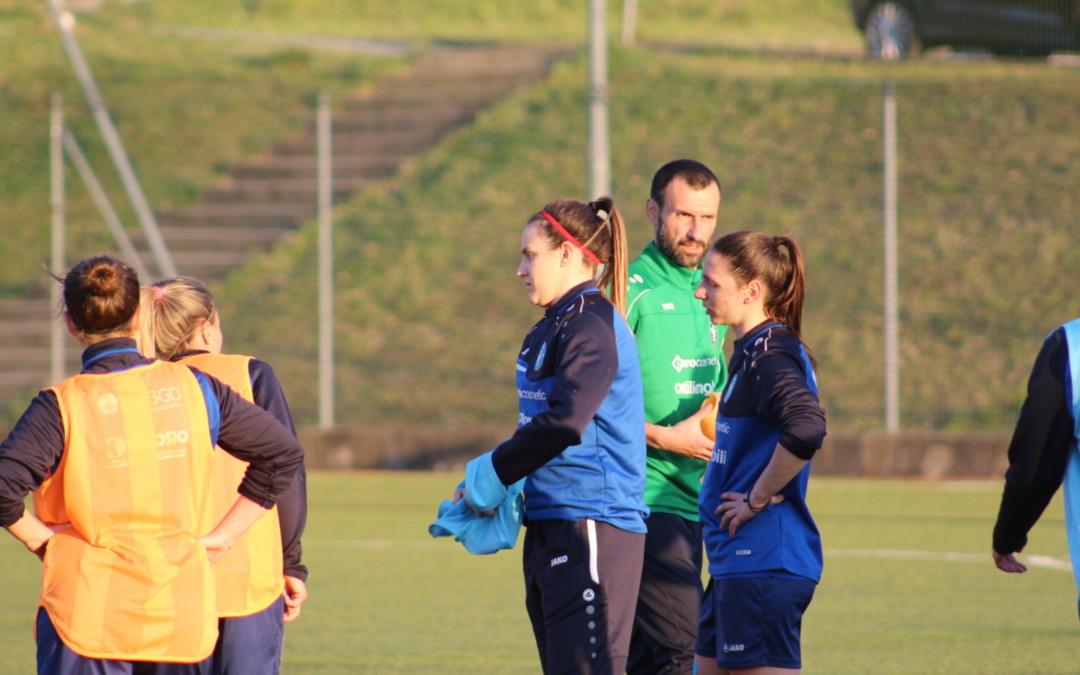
point(892, 322)
point(599, 146)
point(629, 21)
point(56, 259)
point(65, 25)
point(326, 266)
point(108, 213)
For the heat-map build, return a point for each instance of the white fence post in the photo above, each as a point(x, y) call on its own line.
point(326, 265)
point(892, 321)
point(56, 258)
point(629, 21)
point(599, 145)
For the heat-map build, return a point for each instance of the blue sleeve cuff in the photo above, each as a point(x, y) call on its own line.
point(483, 489)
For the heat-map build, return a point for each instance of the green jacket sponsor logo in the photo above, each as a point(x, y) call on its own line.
point(679, 363)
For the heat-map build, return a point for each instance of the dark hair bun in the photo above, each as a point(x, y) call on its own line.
point(101, 295)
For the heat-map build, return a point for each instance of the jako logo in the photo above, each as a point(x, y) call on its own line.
point(558, 560)
point(678, 363)
point(733, 648)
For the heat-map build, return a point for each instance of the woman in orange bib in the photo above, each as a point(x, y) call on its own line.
point(260, 581)
point(119, 459)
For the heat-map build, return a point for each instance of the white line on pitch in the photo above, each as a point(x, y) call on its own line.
point(1045, 561)
point(371, 544)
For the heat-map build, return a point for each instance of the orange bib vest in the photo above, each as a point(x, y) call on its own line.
point(128, 580)
point(250, 576)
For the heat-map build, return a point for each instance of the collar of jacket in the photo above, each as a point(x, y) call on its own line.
point(111, 354)
point(568, 297)
point(659, 265)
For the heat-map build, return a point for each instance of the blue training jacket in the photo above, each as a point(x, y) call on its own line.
point(581, 425)
point(770, 399)
point(1072, 467)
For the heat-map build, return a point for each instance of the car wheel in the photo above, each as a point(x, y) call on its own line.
point(891, 33)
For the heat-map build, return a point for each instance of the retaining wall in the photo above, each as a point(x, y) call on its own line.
point(932, 454)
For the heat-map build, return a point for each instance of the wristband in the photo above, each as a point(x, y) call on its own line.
point(228, 544)
point(750, 506)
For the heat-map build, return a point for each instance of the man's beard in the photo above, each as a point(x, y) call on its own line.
point(680, 258)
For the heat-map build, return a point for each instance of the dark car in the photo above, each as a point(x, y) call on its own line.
point(896, 29)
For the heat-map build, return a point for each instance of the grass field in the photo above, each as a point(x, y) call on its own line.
point(908, 587)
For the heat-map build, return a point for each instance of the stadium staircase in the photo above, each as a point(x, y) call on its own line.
point(374, 132)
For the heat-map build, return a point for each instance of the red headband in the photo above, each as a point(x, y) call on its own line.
point(570, 238)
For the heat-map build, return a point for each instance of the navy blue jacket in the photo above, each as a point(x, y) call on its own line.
point(581, 427)
point(1038, 454)
point(770, 399)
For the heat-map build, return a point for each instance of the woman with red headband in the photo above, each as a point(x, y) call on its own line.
point(580, 442)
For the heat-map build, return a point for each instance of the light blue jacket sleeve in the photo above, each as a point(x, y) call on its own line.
point(483, 488)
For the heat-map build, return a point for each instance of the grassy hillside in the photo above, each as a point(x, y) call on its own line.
point(432, 315)
point(805, 24)
point(188, 105)
point(185, 109)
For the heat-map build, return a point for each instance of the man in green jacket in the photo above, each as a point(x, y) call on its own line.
point(682, 361)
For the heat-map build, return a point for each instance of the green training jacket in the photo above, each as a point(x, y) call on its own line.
point(682, 360)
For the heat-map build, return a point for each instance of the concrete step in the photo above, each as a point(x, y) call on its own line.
point(427, 118)
point(38, 357)
point(471, 61)
point(438, 94)
point(366, 143)
point(208, 264)
point(230, 216)
point(441, 81)
point(288, 191)
point(18, 309)
point(23, 383)
point(30, 331)
point(355, 167)
point(224, 239)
